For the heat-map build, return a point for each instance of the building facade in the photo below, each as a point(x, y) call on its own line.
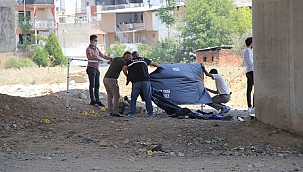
point(41, 16)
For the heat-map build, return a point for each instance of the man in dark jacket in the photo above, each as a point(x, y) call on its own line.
point(136, 71)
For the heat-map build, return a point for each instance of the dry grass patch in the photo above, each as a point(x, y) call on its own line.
point(234, 75)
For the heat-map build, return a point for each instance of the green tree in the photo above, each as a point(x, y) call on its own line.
point(243, 19)
point(145, 50)
point(54, 49)
point(165, 51)
point(208, 23)
point(40, 57)
point(117, 49)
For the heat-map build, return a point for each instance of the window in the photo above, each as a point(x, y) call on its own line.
point(143, 37)
point(212, 58)
point(21, 15)
point(204, 59)
point(87, 3)
point(153, 35)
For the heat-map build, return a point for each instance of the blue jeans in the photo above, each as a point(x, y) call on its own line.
point(94, 83)
point(145, 88)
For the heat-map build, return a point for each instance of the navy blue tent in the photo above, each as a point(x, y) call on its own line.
point(181, 83)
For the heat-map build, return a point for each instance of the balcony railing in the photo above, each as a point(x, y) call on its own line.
point(41, 24)
point(39, 2)
point(114, 7)
point(132, 26)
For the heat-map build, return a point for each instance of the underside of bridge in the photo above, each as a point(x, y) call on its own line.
point(278, 63)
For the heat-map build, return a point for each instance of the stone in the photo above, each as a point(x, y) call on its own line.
point(86, 140)
point(181, 154)
point(97, 168)
point(6, 107)
point(103, 143)
point(172, 154)
point(72, 82)
point(126, 141)
point(81, 96)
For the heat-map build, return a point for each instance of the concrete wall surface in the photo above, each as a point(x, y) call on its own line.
point(74, 37)
point(278, 61)
point(7, 26)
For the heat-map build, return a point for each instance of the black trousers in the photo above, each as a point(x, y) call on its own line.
point(250, 83)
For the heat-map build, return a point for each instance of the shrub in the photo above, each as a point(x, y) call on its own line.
point(19, 62)
point(54, 49)
point(40, 57)
point(117, 49)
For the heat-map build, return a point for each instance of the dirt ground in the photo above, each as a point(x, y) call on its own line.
point(78, 143)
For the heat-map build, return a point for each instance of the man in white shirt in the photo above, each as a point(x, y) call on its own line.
point(248, 62)
point(223, 93)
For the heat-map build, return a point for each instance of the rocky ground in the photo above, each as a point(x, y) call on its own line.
point(76, 142)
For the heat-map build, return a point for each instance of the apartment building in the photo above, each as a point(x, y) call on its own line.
point(39, 13)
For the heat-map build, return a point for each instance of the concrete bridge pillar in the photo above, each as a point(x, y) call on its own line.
point(278, 63)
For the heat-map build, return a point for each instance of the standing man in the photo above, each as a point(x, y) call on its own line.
point(94, 55)
point(248, 62)
point(111, 83)
point(223, 93)
point(136, 71)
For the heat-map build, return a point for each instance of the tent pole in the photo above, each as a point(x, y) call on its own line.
point(67, 82)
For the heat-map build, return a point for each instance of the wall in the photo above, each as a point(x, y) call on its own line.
point(221, 57)
point(108, 21)
point(277, 30)
point(208, 54)
point(150, 40)
point(74, 38)
point(7, 26)
point(148, 20)
point(226, 57)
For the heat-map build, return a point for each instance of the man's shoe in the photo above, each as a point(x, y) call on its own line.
point(151, 115)
point(117, 115)
point(94, 103)
point(226, 109)
point(100, 104)
point(131, 115)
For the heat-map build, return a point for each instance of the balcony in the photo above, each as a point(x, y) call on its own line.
point(132, 27)
point(39, 2)
point(43, 25)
